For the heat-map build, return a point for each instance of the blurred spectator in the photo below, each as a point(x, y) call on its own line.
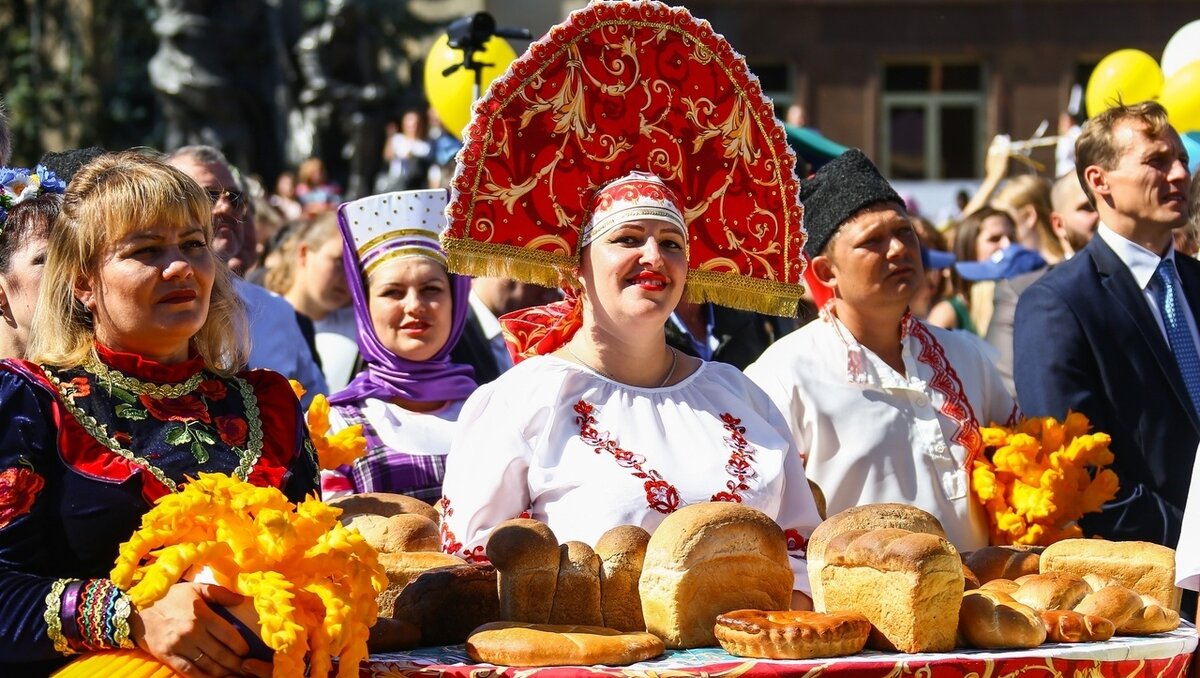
point(408, 154)
point(977, 238)
point(796, 116)
point(938, 262)
point(1074, 222)
point(24, 239)
point(1026, 198)
point(482, 344)
point(444, 146)
point(284, 198)
point(311, 276)
point(65, 164)
point(313, 189)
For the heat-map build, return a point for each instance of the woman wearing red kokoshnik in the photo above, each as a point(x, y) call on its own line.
point(629, 157)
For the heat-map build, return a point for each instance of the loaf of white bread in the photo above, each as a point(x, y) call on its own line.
point(1147, 568)
point(707, 559)
point(622, 551)
point(867, 517)
point(908, 584)
point(526, 556)
point(401, 530)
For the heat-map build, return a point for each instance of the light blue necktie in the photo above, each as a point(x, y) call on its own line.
point(1178, 334)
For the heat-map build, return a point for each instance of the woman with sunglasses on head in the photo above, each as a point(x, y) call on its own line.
point(603, 423)
point(133, 388)
point(29, 203)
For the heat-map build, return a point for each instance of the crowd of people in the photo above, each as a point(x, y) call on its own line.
point(154, 307)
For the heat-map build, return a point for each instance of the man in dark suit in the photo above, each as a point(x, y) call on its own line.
point(1112, 331)
point(726, 335)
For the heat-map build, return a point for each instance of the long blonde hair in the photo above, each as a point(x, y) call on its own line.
point(110, 197)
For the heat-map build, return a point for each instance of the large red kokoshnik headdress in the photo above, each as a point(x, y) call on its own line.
point(623, 87)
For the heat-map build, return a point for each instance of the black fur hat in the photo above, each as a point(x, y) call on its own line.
point(838, 191)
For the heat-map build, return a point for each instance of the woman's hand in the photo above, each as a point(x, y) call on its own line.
point(183, 632)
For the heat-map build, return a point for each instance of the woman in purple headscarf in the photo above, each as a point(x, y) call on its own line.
point(410, 313)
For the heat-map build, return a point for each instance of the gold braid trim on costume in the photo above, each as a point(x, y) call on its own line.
point(53, 619)
point(122, 610)
point(474, 258)
point(743, 292)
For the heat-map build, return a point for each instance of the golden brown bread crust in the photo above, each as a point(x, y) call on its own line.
point(710, 558)
point(525, 553)
point(992, 620)
point(868, 517)
point(401, 532)
point(1051, 591)
point(1071, 626)
point(382, 504)
point(1002, 562)
point(519, 644)
point(792, 634)
point(622, 552)
point(450, 602)
point(1001, 585)
point(577, 593)
point(970, 581)
point(1152, 618)
point(908, 584)
point(1115, 603)
point(401, 568)
point(1147, 568)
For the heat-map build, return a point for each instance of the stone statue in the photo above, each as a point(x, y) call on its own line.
point(220, 72)
point(343, 94)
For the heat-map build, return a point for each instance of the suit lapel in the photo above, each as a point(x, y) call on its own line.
point(1116, 278)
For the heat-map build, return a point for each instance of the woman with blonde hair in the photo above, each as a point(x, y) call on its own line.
point(1026, 198)
point(133, 387)
point(979, 236)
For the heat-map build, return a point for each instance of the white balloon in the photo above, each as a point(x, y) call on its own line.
point(1182, 49)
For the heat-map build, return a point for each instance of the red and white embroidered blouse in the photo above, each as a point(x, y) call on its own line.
point(583, 454)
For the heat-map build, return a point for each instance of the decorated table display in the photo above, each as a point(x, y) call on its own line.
point(1165, 655)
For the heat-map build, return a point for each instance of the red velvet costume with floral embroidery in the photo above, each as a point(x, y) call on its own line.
point(85, 451)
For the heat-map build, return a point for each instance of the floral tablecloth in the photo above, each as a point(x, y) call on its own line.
point(1166, 655)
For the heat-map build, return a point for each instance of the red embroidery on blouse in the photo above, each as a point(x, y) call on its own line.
point(450, 543)
point(740, 460)
point(954, 402)
point(661, 495)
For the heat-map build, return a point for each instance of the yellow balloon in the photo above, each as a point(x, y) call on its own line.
point(1130, 75)
point(450, 95)
point(1181, 97)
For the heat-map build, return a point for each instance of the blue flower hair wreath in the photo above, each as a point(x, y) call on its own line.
point(18, 184)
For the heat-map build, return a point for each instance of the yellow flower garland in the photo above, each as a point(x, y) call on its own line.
point(334, 450)
point(1040, 476)
point(313, 582)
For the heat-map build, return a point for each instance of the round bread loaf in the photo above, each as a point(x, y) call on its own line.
point(1002, 562)
point(992, 620)
point(401, 532)
point(518, 644)
point(1147, 568)
point(382, 504)
point(792, 634)
point(710, 558)
point(1051, 591)
point(868, 517)
point(1070, 626)
point(450, 602)
point(403, 567)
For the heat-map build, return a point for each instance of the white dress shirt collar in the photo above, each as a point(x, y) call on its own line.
point(1141, 262)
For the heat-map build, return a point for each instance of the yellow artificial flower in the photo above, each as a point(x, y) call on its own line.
point(312, 581)
point(1038, 477)
point(338, 449)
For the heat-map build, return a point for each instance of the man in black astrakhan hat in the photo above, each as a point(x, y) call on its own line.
point(884, 407)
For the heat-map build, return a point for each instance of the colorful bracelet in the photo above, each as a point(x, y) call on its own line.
point(103, 616)
point(52, 618)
